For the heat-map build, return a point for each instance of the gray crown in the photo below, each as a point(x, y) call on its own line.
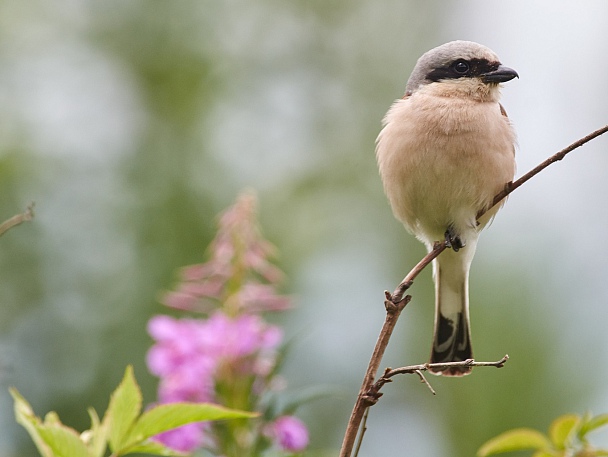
point(444, 55)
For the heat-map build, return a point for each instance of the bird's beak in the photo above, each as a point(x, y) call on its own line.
point(501, 75)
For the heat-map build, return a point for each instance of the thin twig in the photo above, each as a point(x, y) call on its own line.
point(26, 216)
point(393, 310)
point(374, 390)
point(407, 282)
point(363, 430)
point(423, 380)
point(366, 397)
point(510, 187)
point(418, 369)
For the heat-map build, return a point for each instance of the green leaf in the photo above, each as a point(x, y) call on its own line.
point(124, 407)
point(545, 454)
point(593, 423)
point(96, 437)
point(26, 417)
point(563, 429)
point(51, 418)
point(514, 440)
point(154, 448)
point(63, 441)
point(52, 438)
point(172, 415)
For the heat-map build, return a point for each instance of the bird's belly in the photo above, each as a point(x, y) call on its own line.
point(447, 181)
point(442, 160)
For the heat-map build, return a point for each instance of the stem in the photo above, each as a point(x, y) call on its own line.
point(363, 430)
point(510, 187)
point(26, 216)
point(393, 310)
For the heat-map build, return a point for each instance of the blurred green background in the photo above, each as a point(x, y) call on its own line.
point(131, 124)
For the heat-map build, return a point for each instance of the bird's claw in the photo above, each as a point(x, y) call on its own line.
point(453, 240)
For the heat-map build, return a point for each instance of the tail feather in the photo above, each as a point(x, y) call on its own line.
point(452, 335)
point(452, 344)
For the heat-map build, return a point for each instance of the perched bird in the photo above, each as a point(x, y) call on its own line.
point(446, 148)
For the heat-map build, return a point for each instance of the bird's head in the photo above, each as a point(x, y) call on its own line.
point(460, 69)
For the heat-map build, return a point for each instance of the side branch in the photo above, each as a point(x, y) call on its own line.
point(407, 282)
point(26, 216)
point(510, 187)
point(418, 369)
point(393, 310)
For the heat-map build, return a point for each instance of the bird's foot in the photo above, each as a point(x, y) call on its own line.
point(453, 240)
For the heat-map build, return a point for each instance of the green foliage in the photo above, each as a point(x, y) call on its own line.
point(514, 440)
point(123, 427)
point(567, 437)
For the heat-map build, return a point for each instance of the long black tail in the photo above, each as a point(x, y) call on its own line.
point(452, 343)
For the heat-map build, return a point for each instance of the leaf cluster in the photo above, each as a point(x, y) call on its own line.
point(124, 428)
point(567, 437)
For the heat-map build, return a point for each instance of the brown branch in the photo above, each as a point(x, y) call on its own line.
point(363, 430)
point(373, 394)
point(396, 301)
point(424, 381)
point(510, 187)
point(26, 216)
point(418, 369)
point(393, 310)
point(407, 282)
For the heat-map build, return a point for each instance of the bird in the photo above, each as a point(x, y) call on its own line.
point(444, 151)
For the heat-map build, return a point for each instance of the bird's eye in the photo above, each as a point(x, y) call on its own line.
point(461, 67)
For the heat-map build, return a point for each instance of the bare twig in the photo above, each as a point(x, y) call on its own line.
point(407, 282)
point(423, 380)
point(393, 310)
point(374, 391)
point(510, 187)
point(26, 216)
point(367, 396)
point(362, 433)
point(373, 394)
point(418, 369)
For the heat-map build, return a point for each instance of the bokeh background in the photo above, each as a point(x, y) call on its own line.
point(131, 124)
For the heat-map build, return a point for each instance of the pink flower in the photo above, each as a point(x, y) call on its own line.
point(237, 251)
point(185, 366)
point(230, 355)
point(176, 343)
point(289, 433)
point(179, 300)
point(240, 337)
point(186, 438)
point(256, 297)
point(163, 328)
point(188, 352)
